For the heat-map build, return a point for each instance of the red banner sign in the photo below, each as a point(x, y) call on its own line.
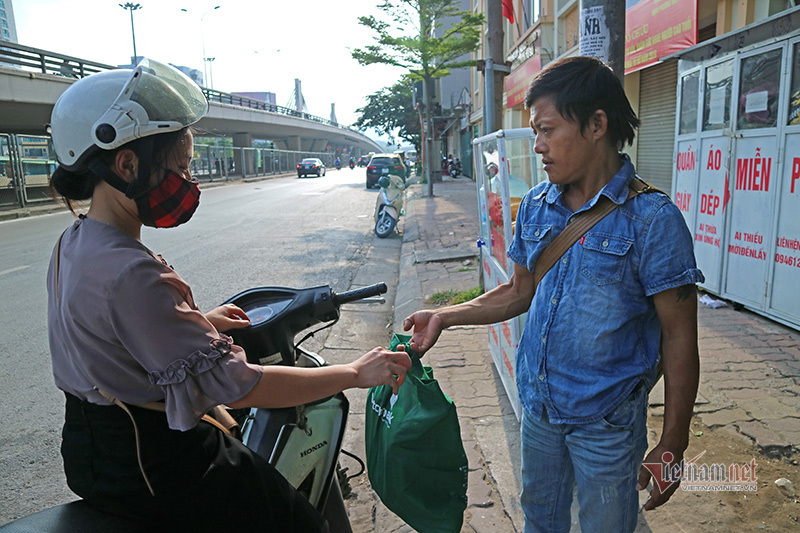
point(656, 29)
point(517, 82)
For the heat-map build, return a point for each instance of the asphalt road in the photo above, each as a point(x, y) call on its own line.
point(287, 231)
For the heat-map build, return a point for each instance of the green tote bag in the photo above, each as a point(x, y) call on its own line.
point(415, 458)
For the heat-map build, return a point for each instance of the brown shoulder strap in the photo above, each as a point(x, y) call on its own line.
point(56, 263)
point(579, 225)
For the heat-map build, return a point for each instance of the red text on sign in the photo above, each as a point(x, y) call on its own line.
point(752, 174)
point(714, 159)
point(709, 203)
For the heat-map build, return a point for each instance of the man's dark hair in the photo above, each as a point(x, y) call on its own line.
point(580, 86)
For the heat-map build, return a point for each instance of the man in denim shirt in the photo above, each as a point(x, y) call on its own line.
point(600, 317)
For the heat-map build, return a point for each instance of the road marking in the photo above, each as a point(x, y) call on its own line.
point(10, 270)
point(312, 193)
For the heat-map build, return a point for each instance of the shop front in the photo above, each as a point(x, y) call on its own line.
point(736, 172)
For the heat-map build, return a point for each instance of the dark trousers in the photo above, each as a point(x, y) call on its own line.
point(203, 479)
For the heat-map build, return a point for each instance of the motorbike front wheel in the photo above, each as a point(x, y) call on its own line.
point(385, 225)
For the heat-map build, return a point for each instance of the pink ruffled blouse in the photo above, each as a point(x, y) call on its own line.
point(125, 322)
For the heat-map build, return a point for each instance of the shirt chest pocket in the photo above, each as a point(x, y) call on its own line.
point(604, 258)
point(536, 237)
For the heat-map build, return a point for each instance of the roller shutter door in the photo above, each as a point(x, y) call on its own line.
point(657, 102)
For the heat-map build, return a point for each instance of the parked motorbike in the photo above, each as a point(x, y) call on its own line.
point(303, 443)
point(454, 168)
point(389, 205)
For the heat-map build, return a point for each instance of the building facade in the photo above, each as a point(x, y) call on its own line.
point(543, 31)
point(8, 28)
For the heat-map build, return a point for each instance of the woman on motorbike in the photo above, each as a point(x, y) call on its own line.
point(125, 332)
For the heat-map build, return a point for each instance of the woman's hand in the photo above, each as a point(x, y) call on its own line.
point(227, 317)
point(381, 367)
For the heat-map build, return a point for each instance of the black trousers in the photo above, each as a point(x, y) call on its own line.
point(203, 479)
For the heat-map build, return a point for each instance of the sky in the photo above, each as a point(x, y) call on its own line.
point(258, 46)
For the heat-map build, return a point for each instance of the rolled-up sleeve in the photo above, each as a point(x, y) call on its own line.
point(154, 317)
point(668, 253)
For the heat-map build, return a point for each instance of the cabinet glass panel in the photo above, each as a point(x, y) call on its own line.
point(689, 92)
point(717, 105)
point(759, 85)
point(794, 93)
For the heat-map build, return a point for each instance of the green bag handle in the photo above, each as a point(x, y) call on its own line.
point(416, 365)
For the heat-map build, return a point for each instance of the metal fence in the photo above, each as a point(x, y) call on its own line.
point(25, 169)
point(28, 161)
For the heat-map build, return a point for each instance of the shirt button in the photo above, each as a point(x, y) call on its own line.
point(564, 260)
point(536, 233)
point(605, 243)
point(541, 377)
point(553, 301)
point(544, 339)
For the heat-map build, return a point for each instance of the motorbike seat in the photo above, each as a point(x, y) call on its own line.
point(73, 517)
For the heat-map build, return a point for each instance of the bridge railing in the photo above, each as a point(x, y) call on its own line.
point(243, 101)
point(36, 60)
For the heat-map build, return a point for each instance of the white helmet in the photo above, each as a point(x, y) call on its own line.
point(111, 108)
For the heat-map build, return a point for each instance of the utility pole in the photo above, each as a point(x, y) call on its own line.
point(494, 68)
point(129, 6)
point(602, 32)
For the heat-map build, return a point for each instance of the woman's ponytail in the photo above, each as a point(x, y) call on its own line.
point(72, 186)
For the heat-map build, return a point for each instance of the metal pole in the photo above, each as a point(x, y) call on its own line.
point(133, 34)
point(602, 32)
point(129, 6)
point(488, 100)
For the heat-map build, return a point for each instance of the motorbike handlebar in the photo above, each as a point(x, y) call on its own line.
point(359, 294)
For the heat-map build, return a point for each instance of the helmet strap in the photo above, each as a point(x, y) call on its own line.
point(142, 182)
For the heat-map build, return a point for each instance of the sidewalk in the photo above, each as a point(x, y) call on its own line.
point(749, 399)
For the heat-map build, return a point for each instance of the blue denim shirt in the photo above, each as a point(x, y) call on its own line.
point(592, 333)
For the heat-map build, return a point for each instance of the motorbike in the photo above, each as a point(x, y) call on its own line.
point(338, 165)
point(352, 165)
point(303, 443)
point(389, 205)
point(454, 168)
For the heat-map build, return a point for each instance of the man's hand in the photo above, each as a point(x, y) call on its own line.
point(658, 466)
point(427, 328)
point(227, 317)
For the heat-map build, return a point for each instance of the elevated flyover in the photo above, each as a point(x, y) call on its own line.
point(31, 80)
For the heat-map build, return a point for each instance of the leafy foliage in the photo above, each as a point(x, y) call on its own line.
point(391, 111)
point(406, 37)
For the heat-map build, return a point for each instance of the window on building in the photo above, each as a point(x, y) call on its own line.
point(531, 9)
point(2, 4)
point(3, 13)
point(5, 24)
point(6, 34)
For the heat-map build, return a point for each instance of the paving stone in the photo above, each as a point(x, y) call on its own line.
point(479, 491)
point(769, 442)
point(724, 417)
point(765, 408)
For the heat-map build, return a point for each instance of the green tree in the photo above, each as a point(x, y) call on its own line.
point(391, 111)
point(427, 38)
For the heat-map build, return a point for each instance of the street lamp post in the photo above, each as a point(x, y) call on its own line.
point(210, 61)
point(129, 6)
point(203, 39)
